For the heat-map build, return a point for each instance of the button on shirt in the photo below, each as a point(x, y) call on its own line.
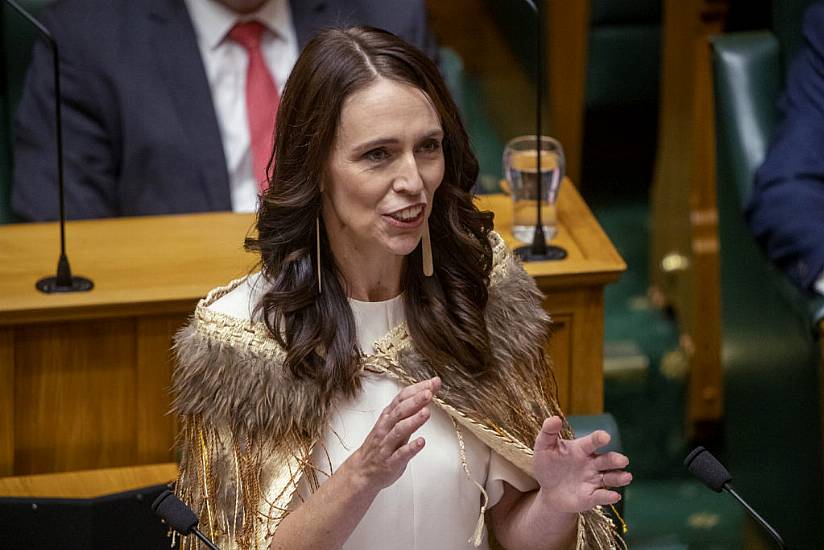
point(226, 64)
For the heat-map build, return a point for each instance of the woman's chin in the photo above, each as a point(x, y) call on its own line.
point(403, 246)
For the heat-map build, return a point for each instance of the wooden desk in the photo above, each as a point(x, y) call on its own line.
point(84, 377)
point(574, 295)
point(88, 483)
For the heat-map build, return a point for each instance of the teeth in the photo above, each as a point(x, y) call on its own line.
point(408, 214)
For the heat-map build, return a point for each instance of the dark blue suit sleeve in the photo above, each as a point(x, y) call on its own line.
point(786, 209)
point(90, 163)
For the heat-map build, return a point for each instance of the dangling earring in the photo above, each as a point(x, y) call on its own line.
point(426, 251)
point(317, 260)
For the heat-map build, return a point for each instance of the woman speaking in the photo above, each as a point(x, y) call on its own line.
point(381, 383)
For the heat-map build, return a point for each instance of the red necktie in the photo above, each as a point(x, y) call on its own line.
point(261, 98)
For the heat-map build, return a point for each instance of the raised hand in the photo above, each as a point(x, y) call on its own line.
point(383, 457)
point(573, 478)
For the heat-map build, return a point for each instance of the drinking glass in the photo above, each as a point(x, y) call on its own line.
point(520, 170)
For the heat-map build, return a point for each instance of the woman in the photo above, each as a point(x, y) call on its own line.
point(381, 383)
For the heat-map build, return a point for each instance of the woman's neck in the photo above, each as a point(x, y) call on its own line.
point(370, 277)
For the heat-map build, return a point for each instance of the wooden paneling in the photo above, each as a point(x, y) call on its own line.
point(582, 336)
point(74, 396)
point(560, 355)
point(155, 427)
point(567, 23)
point(6, 401)
point(685, 270)
point(88, 484)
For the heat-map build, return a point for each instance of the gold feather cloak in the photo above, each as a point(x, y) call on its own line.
point(248, 427)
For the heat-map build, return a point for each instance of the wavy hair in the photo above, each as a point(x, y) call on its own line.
point(444, 312)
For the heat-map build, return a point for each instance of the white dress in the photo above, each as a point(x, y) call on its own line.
point(434, 504)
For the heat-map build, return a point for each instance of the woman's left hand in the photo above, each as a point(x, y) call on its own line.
point(573, 478)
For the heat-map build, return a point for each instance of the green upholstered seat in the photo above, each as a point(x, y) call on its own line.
point(624, 53)
point(770, 351)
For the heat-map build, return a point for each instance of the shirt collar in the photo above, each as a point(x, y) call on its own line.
point(213, 21)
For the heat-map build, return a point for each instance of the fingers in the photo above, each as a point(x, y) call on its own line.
point(604, 497)
point(616, 479)
point(549, 434)
point(611, 461)
point(403, 430)
point(407, 412)
point(594, 441)
point(405, 453)
point(432, 384)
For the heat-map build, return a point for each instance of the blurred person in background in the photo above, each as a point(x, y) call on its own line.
point(786, 209)
point(169, 106)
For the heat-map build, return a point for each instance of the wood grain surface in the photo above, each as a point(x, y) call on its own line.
point(88, 483)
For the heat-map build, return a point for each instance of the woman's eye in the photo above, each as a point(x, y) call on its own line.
point(430, 146)
point(376, 155)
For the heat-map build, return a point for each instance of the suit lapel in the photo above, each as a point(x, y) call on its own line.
point(181, 66)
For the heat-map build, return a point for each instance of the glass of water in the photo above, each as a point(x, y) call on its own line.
point(521, 171)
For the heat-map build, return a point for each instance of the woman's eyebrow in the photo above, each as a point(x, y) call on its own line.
point(378, 142)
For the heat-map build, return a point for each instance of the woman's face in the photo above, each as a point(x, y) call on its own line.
point(385, 166)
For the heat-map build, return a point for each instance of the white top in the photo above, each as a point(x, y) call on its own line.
point(819, 284)
point(226, 63)
point(433, 505)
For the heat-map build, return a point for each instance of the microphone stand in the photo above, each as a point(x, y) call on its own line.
point(539, 250)
point(63, 281)
point(756, 516)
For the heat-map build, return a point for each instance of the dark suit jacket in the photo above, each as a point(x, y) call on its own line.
point(139, 127)
point(786, 208)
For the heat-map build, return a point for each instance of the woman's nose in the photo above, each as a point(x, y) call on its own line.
point(408, 179)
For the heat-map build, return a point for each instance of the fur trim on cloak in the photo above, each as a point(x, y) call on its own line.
point(248, 427)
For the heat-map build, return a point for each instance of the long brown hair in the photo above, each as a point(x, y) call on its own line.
point(445, 312)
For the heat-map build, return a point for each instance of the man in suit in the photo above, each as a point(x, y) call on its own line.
point(158, 117)
point(786, 208)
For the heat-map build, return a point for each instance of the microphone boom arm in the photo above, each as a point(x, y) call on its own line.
point(63, 282)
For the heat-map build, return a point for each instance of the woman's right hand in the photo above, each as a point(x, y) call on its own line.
point(383, 456)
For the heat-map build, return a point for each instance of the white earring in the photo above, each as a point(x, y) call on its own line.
point(426, 251)
point(317, 259)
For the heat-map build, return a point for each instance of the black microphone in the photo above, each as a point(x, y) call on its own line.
point(64, 281)
point(179, 516)
point(539, 250)
point(706, 467)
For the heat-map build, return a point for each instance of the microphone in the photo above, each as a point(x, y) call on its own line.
point(179, 516)
point(706, 467)
point(539, 250)
point(64, 281)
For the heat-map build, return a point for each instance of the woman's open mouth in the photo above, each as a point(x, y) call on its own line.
point(409, 217)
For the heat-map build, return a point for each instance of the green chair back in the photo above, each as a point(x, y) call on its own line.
point(770, 352)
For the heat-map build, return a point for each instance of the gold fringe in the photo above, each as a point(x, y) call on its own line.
point(478, 535)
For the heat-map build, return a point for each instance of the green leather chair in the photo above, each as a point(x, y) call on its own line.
point(770, 351)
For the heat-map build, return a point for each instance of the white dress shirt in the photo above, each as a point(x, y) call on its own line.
point(819, 284)
point(226, 63)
